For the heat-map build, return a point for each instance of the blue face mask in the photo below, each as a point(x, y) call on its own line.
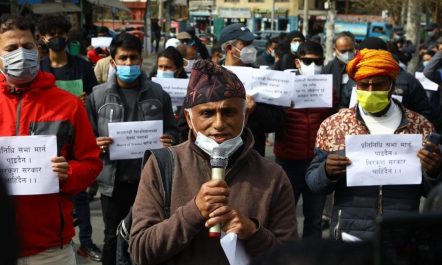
point(294, 46)
point(165, 74)
point(128, 73)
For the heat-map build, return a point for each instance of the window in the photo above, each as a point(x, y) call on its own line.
point(282, 1)
point(231, 0)
point(256, 1)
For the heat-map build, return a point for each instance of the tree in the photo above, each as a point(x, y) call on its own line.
point(433, 7)
point(412, 30)
point(394, 8)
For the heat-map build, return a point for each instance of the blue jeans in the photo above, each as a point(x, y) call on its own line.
point(313, 203)
point(82, 210)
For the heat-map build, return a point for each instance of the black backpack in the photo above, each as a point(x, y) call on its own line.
point(164, 157)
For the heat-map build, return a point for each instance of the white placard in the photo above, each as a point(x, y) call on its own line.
point(353, 97)
point(383, 159)
point(271, 87)
point(175, 87)
point(25, 164)
point(244, 74)
point(426, 83)
point(313, 91)
point(102, 42)
point(131, 139)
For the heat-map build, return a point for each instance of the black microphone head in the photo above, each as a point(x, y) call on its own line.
point(219, 157)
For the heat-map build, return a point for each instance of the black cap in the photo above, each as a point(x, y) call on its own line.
point(296, 34)
point(431, 26)
point(373, 43)
point(236, 31)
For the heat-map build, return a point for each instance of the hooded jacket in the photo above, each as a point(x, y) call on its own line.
point(45, 221)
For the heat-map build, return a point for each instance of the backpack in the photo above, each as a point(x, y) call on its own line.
point(165, 163)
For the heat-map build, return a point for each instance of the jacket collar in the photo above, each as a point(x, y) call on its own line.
point(404, 121)
point(43, 80)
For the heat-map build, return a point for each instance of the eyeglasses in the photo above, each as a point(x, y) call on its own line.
point(379, 84)
point(317, 61)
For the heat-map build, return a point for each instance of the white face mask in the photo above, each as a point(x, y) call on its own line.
point(311, 69)
point(425, 63)
point(247, 55)
point(345, 57)
point(188, 67)
point(207, 144)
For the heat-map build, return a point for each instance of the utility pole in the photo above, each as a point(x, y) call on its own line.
point(330, 29)
point(160, 10)
point(404, 12)
point(412, 31)
point(147, 31)
point(273, 16)
point(305, 21)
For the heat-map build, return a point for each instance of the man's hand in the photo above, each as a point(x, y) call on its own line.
point(212, 195)
point(336, 165)
point(167, 140)
point(83, 98)
point(232, 222)
point(103, 143)
point(250, 103)
point(60, 166)
point(430, 161)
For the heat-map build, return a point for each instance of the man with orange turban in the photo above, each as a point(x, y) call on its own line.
point(356, 208)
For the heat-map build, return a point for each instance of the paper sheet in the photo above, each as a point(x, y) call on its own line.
point(234, 249)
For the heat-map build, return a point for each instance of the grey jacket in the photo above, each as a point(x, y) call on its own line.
point(105, 105)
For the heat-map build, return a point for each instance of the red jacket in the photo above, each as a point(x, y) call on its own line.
point(45, 221)
point(296, 141)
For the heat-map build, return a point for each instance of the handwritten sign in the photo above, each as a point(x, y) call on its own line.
point(131, 139)
point(73, 86)
point(175, 87)
point(102, 42)
point(314, 91)
point(426, 83)
point(383, 159)
point(271, 87)
point(25, 164)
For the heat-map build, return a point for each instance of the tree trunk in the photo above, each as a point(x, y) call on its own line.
point(305, 21)
point(436, 10)
point(330, 30)
point(404, 11)
point(412, 32)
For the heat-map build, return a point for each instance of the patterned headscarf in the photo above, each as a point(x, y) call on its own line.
point(209, 83)
point(369, 63)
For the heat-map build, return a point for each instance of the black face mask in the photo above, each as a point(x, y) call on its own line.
point(57, 44)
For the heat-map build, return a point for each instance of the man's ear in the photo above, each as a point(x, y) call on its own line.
point(188, 120)
point(112, 63)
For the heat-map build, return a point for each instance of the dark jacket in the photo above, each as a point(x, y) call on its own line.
point(337, 69)
point(359, 206)
point(433, 71)
point(413, 94)
point(79, 68)
point(153, 104)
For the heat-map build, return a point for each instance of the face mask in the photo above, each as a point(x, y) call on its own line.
point(165, 74)
point(272, 53)
point(311, 69)
point(57, 44)
point(20, 66)
point(373, 101)
point(425, 63)
point(188, 67)
point(247, 55)
point(294, 46)
point(345, 57)
point(128, 73)
point(207, 144)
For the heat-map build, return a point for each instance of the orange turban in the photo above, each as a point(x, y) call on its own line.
point(369, 63)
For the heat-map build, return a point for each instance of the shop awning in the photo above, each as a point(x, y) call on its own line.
point(47, 8)
point(110, 3)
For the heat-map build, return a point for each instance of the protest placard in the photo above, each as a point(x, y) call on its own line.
point(175, 87)
point(314, 91)
point(244, 74)
point(383, 159)
point(101, 42)
point(426, 83)
point(25, 164)
point(131, 139)
point(271, 87)
point(73, 86)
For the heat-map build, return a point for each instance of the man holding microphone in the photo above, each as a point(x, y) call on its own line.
point(254, 200)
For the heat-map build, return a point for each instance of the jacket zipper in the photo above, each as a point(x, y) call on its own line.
point(336, 231)
point(380, 201)
point(17, 121)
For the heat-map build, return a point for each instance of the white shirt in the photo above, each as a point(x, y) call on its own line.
point(385, 124)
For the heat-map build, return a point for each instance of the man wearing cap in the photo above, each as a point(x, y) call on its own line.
point(433, 33)
point(356, 208)
point(236, 41)
point(255, 201)
point(196, 42)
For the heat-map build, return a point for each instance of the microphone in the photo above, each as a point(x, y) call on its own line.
point(218, 162)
